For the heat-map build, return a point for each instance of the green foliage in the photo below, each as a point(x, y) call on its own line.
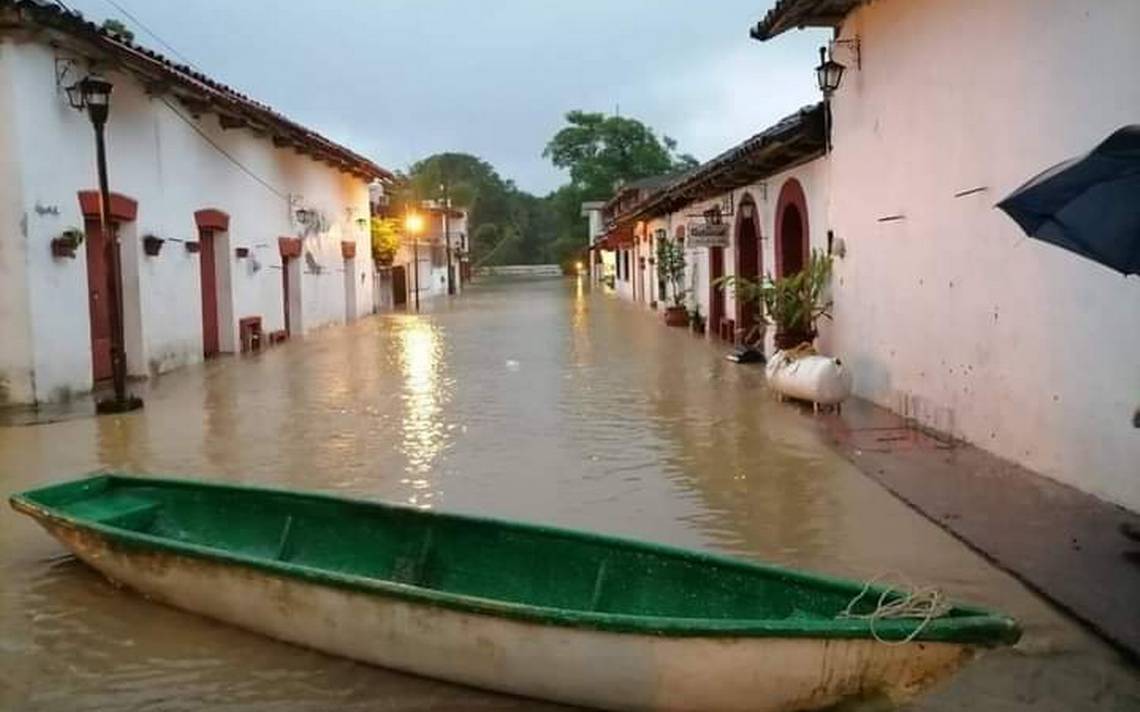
point(601, 151)
point(671, 269)
point(118, 29)
point(385, 240)
point(793, 303)
point(511, 226)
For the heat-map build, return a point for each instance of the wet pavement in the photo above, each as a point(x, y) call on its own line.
point(534, 400)
point(1058, 540)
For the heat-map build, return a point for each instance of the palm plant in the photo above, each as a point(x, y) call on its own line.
point(793, 303)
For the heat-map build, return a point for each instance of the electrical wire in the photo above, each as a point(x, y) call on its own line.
point(150, 32)
point(249, 172)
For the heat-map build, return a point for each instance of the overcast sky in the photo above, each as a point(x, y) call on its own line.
point(398, 80)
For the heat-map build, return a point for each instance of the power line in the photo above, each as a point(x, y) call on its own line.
point(249, 172)
point(150, 32)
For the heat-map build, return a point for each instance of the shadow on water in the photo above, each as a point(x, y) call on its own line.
point(537, 400)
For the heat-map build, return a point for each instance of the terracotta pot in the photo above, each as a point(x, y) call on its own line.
point(152, 245)
point(61, 247)
point(676, 316)
point(791, 339)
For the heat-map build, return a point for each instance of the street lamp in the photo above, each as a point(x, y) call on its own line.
point(93, 93)
point(414, 225)
point(447, 235)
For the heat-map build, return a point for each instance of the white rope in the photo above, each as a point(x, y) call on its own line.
point(926, 603)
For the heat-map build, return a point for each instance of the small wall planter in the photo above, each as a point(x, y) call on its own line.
point(61, 248)
point(348, 250)
point(193, 247)
point(241, 252)
point(152, 245)
point(66, 244)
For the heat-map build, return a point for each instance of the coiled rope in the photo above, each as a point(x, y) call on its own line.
point(909, 602)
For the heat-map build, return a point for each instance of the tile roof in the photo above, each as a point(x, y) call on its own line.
point(792, 140)
point(791, 14)
point(194, 89)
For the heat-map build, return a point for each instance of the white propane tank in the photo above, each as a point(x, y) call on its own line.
point(821, 380)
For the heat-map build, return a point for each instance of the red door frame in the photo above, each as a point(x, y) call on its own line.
point(210, 222)
point(122, 209)
point(290, 249)
point(791, 195)
point(749, 256)
point(716, 294)
point(209, 281)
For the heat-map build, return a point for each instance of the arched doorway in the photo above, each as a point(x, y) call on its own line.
point(747, 260)
point(792, 250)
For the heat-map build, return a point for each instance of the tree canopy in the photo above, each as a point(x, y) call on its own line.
point(601, 151)
point(511, 226)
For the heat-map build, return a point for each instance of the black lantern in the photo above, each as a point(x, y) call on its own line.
point(92, 93)
point(828, 73)
point(97, 97)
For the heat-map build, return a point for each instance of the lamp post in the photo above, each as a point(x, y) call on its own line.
point(93, 93)
point(413, 225)
point(447, 237)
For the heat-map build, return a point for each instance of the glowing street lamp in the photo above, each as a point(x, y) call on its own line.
point(413, 226)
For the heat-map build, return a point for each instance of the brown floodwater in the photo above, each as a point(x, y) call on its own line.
point(535, 400)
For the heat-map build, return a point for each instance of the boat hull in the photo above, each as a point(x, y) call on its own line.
point(580, 666)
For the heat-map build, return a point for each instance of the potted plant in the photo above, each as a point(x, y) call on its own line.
point(671, 271)
point(193, 247)
point(793, 303)
point(67, 242)
point(152, 245)
point(241, 252)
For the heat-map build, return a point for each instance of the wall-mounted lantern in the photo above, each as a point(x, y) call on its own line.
point(829, 73)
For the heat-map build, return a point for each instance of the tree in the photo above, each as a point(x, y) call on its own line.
point(601, 151)
point(385, 240)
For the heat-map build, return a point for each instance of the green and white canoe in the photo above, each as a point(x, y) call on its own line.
point(530, 610)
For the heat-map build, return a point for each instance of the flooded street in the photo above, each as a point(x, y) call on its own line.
point(532, 400)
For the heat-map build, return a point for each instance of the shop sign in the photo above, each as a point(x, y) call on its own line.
point(707, 234)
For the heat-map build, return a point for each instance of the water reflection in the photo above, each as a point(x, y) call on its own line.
point(423, 430)
point(541, 401)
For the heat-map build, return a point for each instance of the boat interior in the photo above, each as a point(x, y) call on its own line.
point(466, 556)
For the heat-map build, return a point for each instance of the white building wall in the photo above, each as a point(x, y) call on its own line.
point(950, 313)
point(624, 287)
point(16, 375)
point(159, 160)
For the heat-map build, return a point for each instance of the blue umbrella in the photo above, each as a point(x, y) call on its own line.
point(1089, 205)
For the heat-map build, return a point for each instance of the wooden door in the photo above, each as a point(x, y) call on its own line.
point(99, 299)
point(209, 293)
point(716, 294)
point(747, 267)
point(399, 286)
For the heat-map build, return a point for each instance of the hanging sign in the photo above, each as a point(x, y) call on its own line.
point(704, 234)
